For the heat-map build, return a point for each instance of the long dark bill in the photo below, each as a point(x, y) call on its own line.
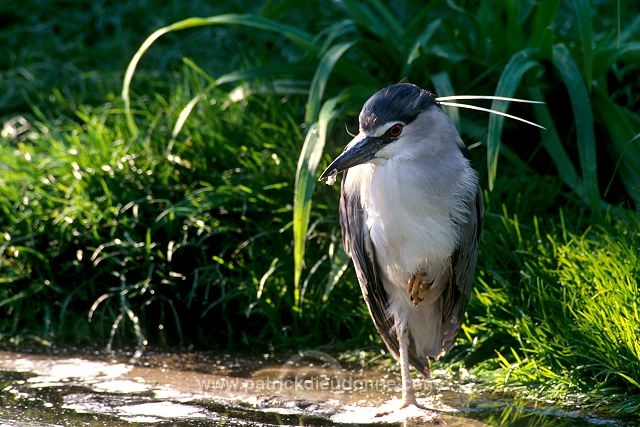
point(360, 150)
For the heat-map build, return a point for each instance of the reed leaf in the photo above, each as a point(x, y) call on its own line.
point(321, 77)
point(305, 181)
point(604, 58)
point(396, 28)
point(553, 144)
point(583, 117)
point(364, 17)
point(509, 81)
point(294, 34)
point(625, 143)
point(546, 12)
point(582, 10)
point(420, 42)
point(310, 155)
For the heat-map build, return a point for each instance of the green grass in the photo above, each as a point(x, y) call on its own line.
point(564, 306)
point(158, 231)
point(182, 229)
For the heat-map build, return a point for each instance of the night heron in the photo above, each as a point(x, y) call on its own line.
point(411, 214)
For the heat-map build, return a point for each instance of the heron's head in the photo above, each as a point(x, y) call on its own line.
point(397, 121)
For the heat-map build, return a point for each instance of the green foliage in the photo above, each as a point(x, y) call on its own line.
point(161, 232)
point(563, 305)
point(168, 216)
point(292, 33)
point(454, 42)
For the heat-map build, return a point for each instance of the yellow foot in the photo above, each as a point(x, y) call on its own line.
point(416, 283)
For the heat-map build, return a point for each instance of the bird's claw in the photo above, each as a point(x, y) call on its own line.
point(413, 289)
point(415, 284)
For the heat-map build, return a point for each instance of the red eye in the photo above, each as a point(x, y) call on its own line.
point(395, 130)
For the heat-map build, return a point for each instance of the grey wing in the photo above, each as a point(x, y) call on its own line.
point(357, 244)
point(463, 265)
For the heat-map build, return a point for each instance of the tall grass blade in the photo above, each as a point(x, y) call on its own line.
point(321, 77)
point(583, 116)
point(395, 26)
point(624, 143)
point(310, 155)
point(294, 34)
point(546, 12)
point(421, 41)
point(582, 9)
point(512, 74)
point(603, 59)
point(362, 15)
point(305, 181)
point(339, 264)
point(184, 114)
point(553, 144)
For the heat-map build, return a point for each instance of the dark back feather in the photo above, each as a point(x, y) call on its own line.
point(463, 265)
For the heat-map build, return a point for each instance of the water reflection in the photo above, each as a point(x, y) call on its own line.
point(310, 388)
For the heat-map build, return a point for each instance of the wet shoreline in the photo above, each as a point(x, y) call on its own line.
point(207, 389)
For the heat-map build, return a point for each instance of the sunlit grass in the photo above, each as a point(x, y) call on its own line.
point(560, 309)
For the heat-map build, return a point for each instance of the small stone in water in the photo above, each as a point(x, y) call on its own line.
point(331, 179)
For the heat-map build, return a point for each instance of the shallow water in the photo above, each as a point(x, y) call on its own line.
point(197, 389)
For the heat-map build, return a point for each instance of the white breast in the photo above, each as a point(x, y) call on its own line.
point(411, 209)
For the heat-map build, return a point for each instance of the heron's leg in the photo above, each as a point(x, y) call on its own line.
point(409, 401)
point(408, 394)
